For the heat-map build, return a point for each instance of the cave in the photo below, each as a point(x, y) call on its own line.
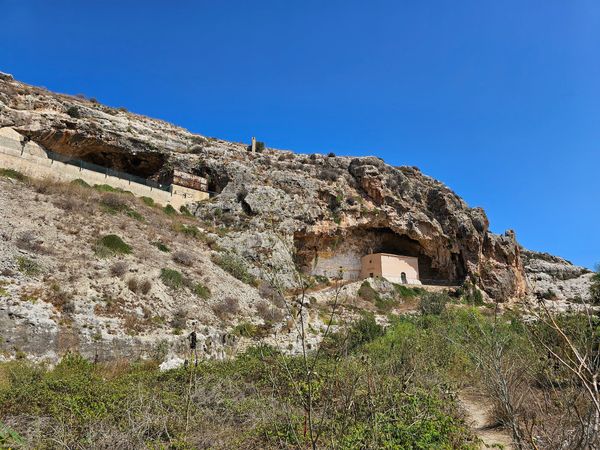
point(320, 254)
point(71, 148)
point(216, 180)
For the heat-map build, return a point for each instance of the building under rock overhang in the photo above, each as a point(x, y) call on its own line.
point(394, 268)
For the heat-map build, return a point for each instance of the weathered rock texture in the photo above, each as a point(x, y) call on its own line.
point(277, 201)
point(554, 278)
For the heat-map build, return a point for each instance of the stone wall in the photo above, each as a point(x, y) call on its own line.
point(29, 158)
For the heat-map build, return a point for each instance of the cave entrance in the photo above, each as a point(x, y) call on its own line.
point(325, 255)
point(73, 148)
point(216, 181)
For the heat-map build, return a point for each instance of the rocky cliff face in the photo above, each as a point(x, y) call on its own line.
point(279, 205)
point(554, 278)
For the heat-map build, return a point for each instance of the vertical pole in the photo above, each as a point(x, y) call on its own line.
point(253, 144)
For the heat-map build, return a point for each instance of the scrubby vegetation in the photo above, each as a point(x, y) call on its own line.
point(236, 267)
point(10, 173)
point(202, 291)
point(28, 266)
point(366, 388)
point(169, 210)
point(595, 287)
point(111, 245)
point(172, 278)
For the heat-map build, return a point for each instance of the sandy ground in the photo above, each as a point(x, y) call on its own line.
point(477, 409)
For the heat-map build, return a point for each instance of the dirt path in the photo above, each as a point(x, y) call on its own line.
point(477, 411)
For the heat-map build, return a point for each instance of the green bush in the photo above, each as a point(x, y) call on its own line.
point(434, 303)
point(15, 175)
point(471, 294)
point(367, 293)
point(202, 291)
point(162, 247)
point(408, 292)
point(186, 212)
point(169, 210)
point(28, 266)
point(363, 331)
point(108, 188)
point(232, 264)
point(73, 111)
point(111, 245)
point(172, 278)
point(80, 182)
point(148, 201)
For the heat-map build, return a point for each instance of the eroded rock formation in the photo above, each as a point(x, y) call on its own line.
point(277, 203)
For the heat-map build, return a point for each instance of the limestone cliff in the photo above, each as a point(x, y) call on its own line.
point(324, 211)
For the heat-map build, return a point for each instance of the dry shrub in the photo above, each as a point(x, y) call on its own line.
point(60, 298)
point(45, 186)
point(268, 313)
point(226, 308)
point(184, 258)
point(179, 320)
point(133, 284)
point(114, 202)
point(68, 203)
point(267, 291)
point(145, 286)
point(28, 240)
point(132, 324)
point(119, 269)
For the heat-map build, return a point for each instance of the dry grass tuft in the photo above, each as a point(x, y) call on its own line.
point(227, 308)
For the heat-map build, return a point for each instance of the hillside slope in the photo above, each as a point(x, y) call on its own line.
point(271, 213)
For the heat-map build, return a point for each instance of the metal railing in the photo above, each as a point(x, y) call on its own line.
point(106, 171)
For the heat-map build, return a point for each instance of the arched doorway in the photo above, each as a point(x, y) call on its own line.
point(403, 277)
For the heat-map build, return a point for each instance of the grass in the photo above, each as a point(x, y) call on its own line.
point(169, 210)
point(408, 292)
point(13, 174)
point(108, 188)
point(28, 266)
point(233, 265)
point(172, 278)
point(148, 201)
point(186, 212)
point(202, 291)
point(162, 247)
point(111, 245)
point(81, 183)
point(188, 230)
point(114, 204)
point(245, 329)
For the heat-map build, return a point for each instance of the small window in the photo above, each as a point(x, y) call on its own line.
point(403, 278)
point(371, 275)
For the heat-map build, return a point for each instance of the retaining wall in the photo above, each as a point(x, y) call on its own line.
point(31, 160)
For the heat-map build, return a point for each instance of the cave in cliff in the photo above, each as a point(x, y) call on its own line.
point(145, 163)
point(323, 254)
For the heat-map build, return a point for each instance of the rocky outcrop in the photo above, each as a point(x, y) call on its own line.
point(307, 207)
point(554, 278)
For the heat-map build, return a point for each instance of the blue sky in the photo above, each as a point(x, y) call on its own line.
point(499, 100)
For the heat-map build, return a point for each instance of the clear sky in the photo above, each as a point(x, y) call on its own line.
point(498, 99)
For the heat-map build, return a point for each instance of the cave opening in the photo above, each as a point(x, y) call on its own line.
point(321, 254)
point(71, 147)
point(216, 181)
